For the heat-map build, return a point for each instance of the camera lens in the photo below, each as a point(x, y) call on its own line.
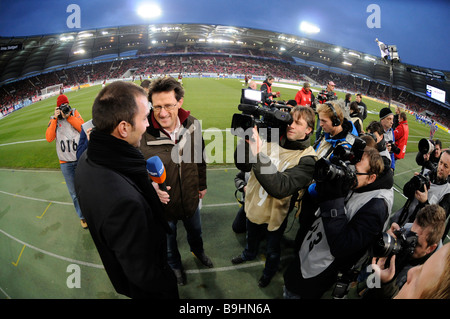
point(385, 246)
point(326, 171)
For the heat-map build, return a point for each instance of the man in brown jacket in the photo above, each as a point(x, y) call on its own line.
point(176, 137)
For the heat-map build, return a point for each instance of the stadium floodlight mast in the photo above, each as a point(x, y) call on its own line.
point(389, 55)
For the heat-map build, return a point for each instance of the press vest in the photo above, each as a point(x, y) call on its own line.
point(67, 138)
point(315, 255)
point(260, 207)
point(435, 195)
point(325, 148)
point(269, 91)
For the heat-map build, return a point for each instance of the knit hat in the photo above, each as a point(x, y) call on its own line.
point(385, 112)
point(62, 99)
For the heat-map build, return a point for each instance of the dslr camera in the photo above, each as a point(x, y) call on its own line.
point(404, 243)
point(394, 148)
point(341, 164)
point(254, 114)
point(65, 109)
point(416, 183)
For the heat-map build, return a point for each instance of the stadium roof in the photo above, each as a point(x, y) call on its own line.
point(28, 56)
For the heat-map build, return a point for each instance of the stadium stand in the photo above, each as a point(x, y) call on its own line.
point(142, 51)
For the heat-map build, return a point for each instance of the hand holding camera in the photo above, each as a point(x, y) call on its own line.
point(418, 185)
point(392, 147)
point(332, 189)
point(255, 142)
point(63, 111)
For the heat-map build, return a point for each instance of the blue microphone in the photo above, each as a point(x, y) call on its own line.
point(157, 172)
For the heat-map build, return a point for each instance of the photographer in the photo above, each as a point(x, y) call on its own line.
point(387, 120)
point(266, 89)
point(337, 130)
point(65, 127)
point(352, 212)
point(428, 227)
point(325, 95)
point(431, 187)
point(429, 157)
point(278, 173)
point(376, 130)
point(355, 117)
point(430, 280)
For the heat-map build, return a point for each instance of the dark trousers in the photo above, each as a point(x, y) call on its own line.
point(193, 226)
point(255, 233)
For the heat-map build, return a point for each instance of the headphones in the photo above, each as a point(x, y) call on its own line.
point(335, 121)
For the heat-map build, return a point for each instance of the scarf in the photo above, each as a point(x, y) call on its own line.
point(119, 156)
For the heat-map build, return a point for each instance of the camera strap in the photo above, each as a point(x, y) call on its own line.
point(237, 198)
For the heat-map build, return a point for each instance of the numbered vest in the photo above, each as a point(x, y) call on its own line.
point(67, 138)
point(435, 195)
point(315, 255)
point(260, 207)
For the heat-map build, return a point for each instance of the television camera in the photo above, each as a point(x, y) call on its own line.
point(276, 116)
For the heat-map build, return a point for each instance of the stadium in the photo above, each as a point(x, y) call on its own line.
point(40, 240)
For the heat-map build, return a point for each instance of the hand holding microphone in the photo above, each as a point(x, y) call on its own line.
point(157, 172)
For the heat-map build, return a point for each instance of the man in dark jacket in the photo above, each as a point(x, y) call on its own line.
point(119, 203)
point(176, 137)
point(347, 222)
point(278, 172)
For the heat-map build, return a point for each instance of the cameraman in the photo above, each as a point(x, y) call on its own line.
point(266, 89)
point(328, 93)
point(351, 215)
point(278, 174)
point(437, 193)
point(65, 127)
point(429, 226)
point(337, 130)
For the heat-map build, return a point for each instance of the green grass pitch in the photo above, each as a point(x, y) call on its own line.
point(213, 101)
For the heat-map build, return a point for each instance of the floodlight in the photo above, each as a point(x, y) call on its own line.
point(308, 27)
point(394, 53)
point(149, 10)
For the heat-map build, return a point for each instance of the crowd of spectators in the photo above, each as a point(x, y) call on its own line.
point(195, 60)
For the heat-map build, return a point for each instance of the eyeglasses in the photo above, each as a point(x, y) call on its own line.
point(358, 173)
point(166, 107)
